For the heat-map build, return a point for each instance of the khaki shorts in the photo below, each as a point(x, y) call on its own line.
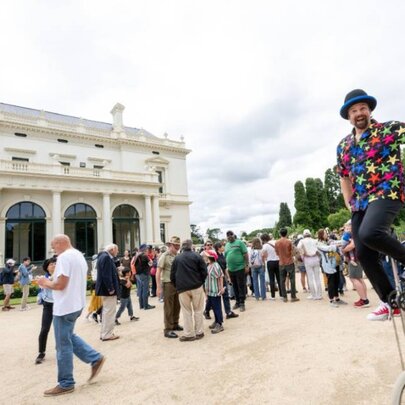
point(355, 271)
point(8, 289)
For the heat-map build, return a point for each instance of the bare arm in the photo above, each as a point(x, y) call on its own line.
point(347, 190)
point(158, 282)
point(350, 246)
point(59, 284)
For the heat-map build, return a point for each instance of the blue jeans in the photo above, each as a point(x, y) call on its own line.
point(215, 303)
point(143, 289)
point(67, 344)
point(125, 303)
point(258, 277)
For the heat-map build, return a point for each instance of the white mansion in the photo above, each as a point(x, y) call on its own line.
point(97, 182)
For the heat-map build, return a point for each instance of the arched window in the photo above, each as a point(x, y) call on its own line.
point(81, 227)
point(126, 227)
point(26, 232)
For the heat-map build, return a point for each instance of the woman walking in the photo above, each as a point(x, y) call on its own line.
point(46, 299)
point(256, 263)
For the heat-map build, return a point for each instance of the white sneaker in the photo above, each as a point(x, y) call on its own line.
point(272, 298)
point(333, 304)
point(381, 313)
point(310, 297)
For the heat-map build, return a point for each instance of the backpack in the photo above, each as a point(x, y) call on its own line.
point(1, 277)
point(256, 258)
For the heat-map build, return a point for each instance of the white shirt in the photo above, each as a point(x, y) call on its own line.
point(71, 264)
point(307, 246)
point(271, 252)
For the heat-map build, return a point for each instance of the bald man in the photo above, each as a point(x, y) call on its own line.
point(69, 286)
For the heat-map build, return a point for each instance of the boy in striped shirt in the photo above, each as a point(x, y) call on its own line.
point(214, 288)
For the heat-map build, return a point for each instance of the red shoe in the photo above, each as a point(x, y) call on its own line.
point(396, 312)
point(362, 303)
point(381, 313)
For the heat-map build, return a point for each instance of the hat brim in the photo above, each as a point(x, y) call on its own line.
point(371, 101)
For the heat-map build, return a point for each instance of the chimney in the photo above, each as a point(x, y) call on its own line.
point(116, 112)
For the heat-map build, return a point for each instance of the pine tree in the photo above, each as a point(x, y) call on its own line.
point(313, 204)
point(284, 216)
point(322, 203)
point(333, 192)
point(301, 216)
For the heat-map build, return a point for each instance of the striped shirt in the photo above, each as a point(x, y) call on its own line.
point(211, 282)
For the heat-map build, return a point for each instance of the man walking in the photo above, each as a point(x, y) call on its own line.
point(284, 250)
point(369, 164)
point(8, 282)
point(69, 285)
point(107, 285)
point(237, 260)
point(188, 274)
point(171, 304)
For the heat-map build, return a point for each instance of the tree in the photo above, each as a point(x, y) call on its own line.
point(284, 216)
point(313, 204)
point(338, 219)
point(301, 216)
point(322, 203)
point(213, 234)
point(196, 235)
point(256, 232)
point(333, 192)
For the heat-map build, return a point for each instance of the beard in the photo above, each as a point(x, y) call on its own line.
point(362, 122)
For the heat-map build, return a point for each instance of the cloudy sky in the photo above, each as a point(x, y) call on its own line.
point(255, 87)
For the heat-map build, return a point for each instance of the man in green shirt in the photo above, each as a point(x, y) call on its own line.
point(171, 304)
point(237, 261)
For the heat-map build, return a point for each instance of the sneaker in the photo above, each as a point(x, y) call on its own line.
point(396, 312)
point(117, 322)
point(40, 358)
point(362, 303)
point(242, 308)
point(231, 315)
point(333, 304)
point(212, 326)
point(272, 298)
point(218, 328)
point(187, 338)
point(295, 299)
point(134, 318)
point(199, 336)
point(381, 313)
point(310, 297)
point(149, 307)
point(353, 263)
point(341, 302)
point(206, 315)
point(58, 390)
point(285, 299)
point(96, 368)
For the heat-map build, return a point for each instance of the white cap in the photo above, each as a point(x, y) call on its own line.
point(11, 262)
point(306, 232)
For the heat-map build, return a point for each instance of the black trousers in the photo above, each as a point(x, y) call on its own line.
point(274, 274)
point(238, 279)
point(333, 284)
point(372, 234)
point(47, 315)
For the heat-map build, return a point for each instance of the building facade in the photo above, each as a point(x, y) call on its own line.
point(97, 182)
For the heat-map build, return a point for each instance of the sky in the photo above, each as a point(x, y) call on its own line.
point(255, 87)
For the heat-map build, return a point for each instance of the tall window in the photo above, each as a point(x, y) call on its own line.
point(163, 232)
point(81, 227)
point(160, 180)
point(26, 232)
point(126, 227)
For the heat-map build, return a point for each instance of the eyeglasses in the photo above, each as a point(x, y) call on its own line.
point(208, 244)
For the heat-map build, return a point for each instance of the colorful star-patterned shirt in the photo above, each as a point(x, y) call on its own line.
point(373, 164)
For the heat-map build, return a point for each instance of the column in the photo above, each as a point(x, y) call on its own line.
point(107, 224)
point(56, 214)
point(156, 220)
point(148, 220)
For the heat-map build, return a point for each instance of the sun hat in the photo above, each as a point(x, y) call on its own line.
point(354, 97)
point(11, 262)
point(306, 232)
point(174, 240)
point(212, 253)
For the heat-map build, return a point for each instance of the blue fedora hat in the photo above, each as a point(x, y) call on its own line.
point(354, 97)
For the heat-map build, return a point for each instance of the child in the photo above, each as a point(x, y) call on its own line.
point(125, 301)
point(214, 288)
point(346, 239)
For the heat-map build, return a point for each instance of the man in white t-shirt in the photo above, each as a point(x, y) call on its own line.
point(69, 293)
point(270, 257)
